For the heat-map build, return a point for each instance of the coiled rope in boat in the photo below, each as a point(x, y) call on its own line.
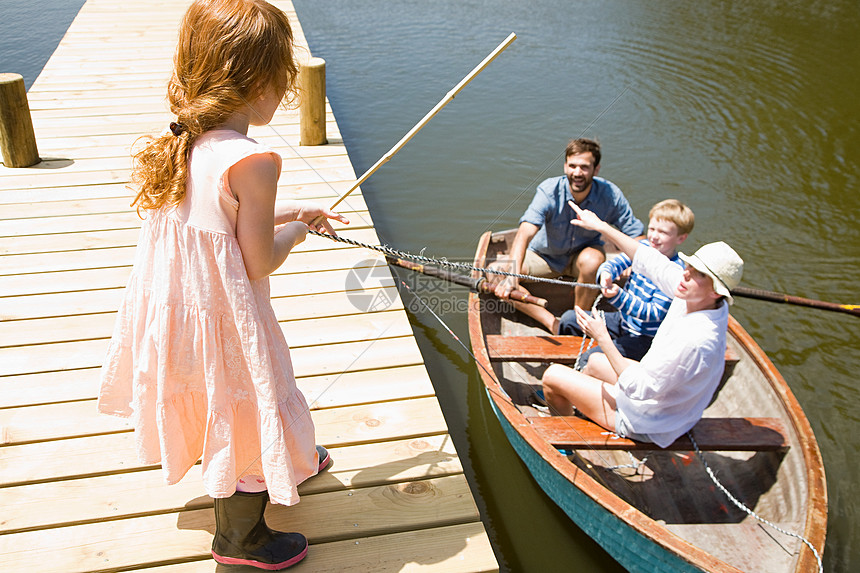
point(747, 510)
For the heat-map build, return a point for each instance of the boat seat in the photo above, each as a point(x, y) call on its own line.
point(548, 348)
point(721, 434)
point(564, 349)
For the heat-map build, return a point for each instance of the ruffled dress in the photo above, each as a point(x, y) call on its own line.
point(198, 360)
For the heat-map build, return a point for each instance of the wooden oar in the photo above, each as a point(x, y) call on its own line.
point(853, 309)
point(476, 284)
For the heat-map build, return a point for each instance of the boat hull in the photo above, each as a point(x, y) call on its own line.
point(627, 546)
point(673, 519)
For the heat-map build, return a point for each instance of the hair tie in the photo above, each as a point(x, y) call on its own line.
point(176, 128)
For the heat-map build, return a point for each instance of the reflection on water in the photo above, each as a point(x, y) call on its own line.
point(746, 111)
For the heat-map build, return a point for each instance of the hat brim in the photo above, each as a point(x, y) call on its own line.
point(719, 287)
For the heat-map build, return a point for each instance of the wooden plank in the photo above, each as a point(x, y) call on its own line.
point(187, 534)
point(378, 352)
point(90, 456)
point(309, 319)
point(107, 239)
point(107, 159)
point(298, 262)
point(74, 150)
point(63, 281)
point(547, 348)
point(127, 219)
point(723, 434)
point(48, 387)
point(34, 196)
point(455, 549)
point(59, 303)
point(135, 125)
point(95, 290)
point(48, 193)
point(350, 388)
point(57, 243)
point(343, 425)
point(118, 204)
point(71, 260)
point(59, 179)
point(91, 499)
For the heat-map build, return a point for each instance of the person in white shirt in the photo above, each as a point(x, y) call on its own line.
point(662, 396)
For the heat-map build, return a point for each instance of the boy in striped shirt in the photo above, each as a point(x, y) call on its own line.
point(641, 305)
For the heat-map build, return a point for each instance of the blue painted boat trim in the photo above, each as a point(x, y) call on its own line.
point(627, 546)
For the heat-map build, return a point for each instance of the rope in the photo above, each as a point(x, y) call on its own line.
point(750, 512)
point(594, 311)
point(391, 252)
point(634, 463)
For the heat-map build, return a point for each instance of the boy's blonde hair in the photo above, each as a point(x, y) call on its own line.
point(228, 53)
point(676, 212)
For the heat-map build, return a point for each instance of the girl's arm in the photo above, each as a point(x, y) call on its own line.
point(254, 182)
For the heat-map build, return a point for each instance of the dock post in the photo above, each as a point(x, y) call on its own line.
point(312, 106)
point(17, 139)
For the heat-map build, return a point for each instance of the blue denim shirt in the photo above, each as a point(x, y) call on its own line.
point(557, 240)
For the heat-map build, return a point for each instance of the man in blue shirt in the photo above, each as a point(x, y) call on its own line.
point(547, 245)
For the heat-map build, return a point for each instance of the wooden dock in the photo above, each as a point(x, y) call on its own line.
point(72, 493)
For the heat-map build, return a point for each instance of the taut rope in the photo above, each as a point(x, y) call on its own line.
point(391, 252)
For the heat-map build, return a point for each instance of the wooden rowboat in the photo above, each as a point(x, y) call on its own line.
point(667, 514)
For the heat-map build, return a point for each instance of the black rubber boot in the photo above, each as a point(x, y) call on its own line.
point(243, 538)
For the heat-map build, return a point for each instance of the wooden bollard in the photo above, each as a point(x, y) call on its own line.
point(312, 98)
point(17, 139)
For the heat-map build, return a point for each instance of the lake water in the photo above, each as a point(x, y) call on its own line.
point(746, 111)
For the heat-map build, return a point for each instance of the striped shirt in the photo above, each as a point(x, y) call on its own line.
point(642, 305)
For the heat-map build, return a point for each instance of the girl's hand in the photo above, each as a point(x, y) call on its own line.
point(317, 218)
point(593, 326)
point(294, 232)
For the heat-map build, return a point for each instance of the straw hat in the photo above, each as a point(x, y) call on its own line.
point(720, 262)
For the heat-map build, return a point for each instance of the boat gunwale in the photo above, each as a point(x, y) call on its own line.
point(816, 500)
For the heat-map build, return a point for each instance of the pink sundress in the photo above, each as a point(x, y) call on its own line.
point(198, 360)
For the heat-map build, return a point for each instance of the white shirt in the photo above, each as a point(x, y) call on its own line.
point(666, 393)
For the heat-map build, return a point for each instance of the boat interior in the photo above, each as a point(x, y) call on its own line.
point(750, 445)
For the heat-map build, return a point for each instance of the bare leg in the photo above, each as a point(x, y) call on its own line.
point(587, 262)
point(565, 388)
point(598, 367)
point(547, 319)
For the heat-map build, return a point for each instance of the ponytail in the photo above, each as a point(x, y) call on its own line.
point(228, 52)
point(160, 171)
